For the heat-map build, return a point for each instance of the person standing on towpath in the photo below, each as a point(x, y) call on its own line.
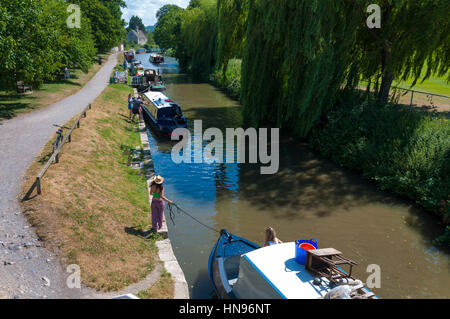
point(157, 190)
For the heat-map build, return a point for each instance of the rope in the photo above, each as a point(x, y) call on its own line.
point(179, 209)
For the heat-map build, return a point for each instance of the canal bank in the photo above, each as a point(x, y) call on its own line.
point(165, 251)
point(309, 197)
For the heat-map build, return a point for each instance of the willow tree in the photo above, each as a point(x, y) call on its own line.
point(231, 23)
point(412, 43)
point(199, 31)
point(296, 56)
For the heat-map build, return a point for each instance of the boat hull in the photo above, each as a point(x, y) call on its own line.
point(227, 246)
point(160, 130)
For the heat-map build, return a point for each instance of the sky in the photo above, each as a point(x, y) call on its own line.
point(146, 9)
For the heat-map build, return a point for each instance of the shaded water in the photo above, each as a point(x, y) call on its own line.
point(308, 197)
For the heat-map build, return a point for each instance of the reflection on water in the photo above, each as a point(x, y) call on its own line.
point(308, 197)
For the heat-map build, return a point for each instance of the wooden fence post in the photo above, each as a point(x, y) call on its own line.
point(38, 185)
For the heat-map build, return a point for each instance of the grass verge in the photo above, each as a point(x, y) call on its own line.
point(13, 104)
point(94, 210)
point(161, 289)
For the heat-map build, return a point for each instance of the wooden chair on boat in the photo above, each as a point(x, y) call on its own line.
point(328, 263)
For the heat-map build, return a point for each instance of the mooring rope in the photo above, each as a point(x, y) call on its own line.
point(179, 209)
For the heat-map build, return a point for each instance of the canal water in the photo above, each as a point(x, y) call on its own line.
point(310, 197)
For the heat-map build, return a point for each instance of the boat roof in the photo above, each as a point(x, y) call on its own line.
point(277, 265)
point(158, 99)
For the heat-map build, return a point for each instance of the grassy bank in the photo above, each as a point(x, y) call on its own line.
point(13, 104)
point(94, 209)
point(405, 152)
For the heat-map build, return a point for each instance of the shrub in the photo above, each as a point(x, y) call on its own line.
point(230, 80)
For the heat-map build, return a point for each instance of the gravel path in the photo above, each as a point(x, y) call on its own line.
point(27, 269)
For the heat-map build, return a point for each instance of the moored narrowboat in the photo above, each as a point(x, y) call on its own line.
point(161, 113)
point(141, 51)
point(156, 58)
point(241, 269)
point(137, 69)
point(129, 55)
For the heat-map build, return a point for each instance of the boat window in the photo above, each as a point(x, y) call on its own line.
point(166, 112)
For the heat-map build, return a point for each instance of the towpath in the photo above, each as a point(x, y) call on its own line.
point(27, 269)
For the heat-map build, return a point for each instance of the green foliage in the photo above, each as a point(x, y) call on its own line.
point(35, 42)
point(167, 29)
point(106, 21)
point(413, 34)
point(199, 31)
point(231, 24)
point(295, 59)
point(406, 152)
point(230, 80)
point(135, 24)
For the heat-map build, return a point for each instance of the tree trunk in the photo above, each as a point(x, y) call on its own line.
point(386, 82)
point(388, 76)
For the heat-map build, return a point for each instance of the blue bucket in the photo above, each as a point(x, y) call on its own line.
point(300, 253)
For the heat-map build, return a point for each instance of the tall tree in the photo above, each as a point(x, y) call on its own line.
point(35, 41)
point(106, 21)
point(168, 27)
point(413, 37)
point(199, 30)
point(231, 24)
point(296, 56)
point(136, 23)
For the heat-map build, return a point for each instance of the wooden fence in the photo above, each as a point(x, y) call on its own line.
point(54, 158)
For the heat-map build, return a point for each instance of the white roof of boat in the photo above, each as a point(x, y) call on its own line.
point(158, 99)
point(278, 266)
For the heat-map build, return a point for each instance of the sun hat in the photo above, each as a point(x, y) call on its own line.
point(159, 179)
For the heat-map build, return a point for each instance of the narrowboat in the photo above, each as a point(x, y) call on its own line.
point(149, 81)
point(156, 58)
point(141, 51)
point(154, 80)
point(137, 69)
point(161, 113)
point(129, 55)
point(240, 269)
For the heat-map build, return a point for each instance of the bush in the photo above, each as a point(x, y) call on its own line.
point(406, 152)
point(230, 81)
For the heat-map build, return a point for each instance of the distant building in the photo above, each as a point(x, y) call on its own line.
point(137, 36)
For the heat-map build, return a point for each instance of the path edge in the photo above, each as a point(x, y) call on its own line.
point(165, 251)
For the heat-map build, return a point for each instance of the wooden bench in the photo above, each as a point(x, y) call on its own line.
point(22, 88)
